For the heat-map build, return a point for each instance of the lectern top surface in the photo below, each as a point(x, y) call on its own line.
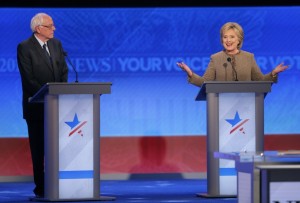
point(96, 88)
point(216, 87)
point(263, 156)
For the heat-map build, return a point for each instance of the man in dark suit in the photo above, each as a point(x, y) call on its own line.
point(40, 60)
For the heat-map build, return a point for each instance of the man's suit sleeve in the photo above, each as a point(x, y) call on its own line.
point(30, 83)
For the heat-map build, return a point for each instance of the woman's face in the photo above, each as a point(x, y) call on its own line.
point(230, 41)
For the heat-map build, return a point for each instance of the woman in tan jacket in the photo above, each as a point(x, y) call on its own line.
point(232, 64)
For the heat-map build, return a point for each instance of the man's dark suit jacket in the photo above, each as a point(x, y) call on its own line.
point(36, 70)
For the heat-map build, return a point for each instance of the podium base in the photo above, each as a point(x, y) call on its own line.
point(205, 195)
point(101, 198)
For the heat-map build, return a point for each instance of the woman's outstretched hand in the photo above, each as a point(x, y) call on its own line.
point(280, 68)
point(185, 68)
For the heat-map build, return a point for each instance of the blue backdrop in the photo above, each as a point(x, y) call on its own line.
point(136, 49)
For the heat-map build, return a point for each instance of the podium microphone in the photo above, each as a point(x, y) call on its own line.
point(233, 68)
point(74, 69)
point(225, 66)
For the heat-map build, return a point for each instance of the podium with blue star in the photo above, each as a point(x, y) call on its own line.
point(235, 123)
point(72, 140)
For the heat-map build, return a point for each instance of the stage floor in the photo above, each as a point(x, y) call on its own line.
point(128, 191)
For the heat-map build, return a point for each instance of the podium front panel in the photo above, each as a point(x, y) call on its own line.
point(236, 134)
point(76, 163)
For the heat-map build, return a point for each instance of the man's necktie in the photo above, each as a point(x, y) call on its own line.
point(47, 53)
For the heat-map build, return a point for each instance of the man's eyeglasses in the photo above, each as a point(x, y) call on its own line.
point(49, 26)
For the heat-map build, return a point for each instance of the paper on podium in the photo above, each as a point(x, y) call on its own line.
point(289, 152)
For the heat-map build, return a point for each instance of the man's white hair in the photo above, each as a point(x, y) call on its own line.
point(37, 20)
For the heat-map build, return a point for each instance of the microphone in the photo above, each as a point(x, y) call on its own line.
point(233, 68)
point(225, 66)
point(74, 69)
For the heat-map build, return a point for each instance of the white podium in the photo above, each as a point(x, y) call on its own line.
point(72, 140)
point(235, 122)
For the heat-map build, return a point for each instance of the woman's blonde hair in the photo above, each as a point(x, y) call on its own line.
point(237, 29)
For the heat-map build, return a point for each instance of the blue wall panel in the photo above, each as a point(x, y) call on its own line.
point(136, 49)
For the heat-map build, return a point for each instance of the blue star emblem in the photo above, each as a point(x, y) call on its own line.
point(73, 123)
point(76, 124)
point(235, 120)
